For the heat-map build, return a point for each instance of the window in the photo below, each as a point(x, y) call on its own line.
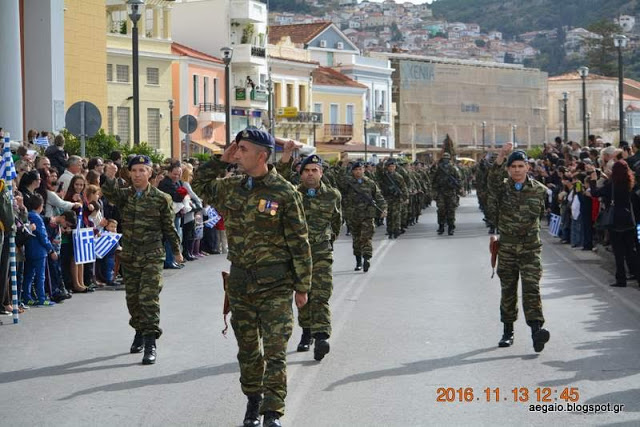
point(215, 91)
point(333, 114)
point(349, 117)
point(110, 120)
point(122, 73)
point(329, 59)
point(290, 95)
point(195, 90)
point(153, 127)
point(205, 83)
point(109, 72)
point(123, 124)
point(317, 107)
point(153, 76)
point(383, 101)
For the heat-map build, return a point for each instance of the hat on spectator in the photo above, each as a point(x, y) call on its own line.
point(140, 160)
point(311, 160)
point(257, 137)
point(517, 156)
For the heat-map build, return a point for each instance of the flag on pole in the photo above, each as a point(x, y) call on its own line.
point(554, 225)
point(42, 141)
point(84, 251)
point(212, 217)
point(9, 174)
point(7, 167)
point(105, 243)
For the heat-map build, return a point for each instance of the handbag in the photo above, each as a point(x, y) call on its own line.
point(605, 219)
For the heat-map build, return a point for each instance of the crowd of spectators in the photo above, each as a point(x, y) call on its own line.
point(595, 190)
point(55, 192)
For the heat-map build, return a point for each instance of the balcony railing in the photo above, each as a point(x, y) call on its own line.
point(381, 117)
point(218, 108)
point(303, 117)
point(338, 131)
point(258, 51)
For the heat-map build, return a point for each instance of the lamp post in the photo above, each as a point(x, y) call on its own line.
point(620, 42)
point(314, 119)
point(584, 72)
point(135, 8)
point(171, 126)
point(589, 123)
point(484, 126)
point(565, 98)
point(365, 140)
point(227, 54)
point(513, 133)
point(270, 104)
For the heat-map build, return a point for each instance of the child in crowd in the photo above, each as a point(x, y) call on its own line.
point(55, 226)
point(107, 263)
point(36, 251)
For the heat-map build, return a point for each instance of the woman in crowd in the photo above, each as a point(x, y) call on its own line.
point(188, 227)
point(75, 194)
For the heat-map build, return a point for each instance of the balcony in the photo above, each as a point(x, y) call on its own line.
point(249, 54)
point(302, 117)
point(381, 117)
point(211, 113)
point(338, 134)
point(248, 11)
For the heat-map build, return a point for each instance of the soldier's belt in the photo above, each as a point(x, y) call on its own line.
point(514, 240)
point(263, 274)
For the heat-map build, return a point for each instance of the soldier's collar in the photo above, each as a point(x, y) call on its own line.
point(144, 192)
point(266, 180)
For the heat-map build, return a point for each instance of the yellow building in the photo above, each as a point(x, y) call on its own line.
point(85, 55)
point(155, 80)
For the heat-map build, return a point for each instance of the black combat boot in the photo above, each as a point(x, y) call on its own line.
point(305, 340)
point(507, 336)
point(366, 264)
point(271, 419)
point(252, 415)
point(539, 335)
point(138, 343)
point(149, 357)
point(358, 263)
point(440, 229)
point(322, 346)
point(451, 228)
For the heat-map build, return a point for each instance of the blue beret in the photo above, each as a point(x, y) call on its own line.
point(390, 161)
point(357, 164)
point(517, 156)
point(140, 160)
point(311, 160)
point(257, 136)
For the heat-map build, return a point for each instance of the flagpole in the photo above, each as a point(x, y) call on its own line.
point(8, 180)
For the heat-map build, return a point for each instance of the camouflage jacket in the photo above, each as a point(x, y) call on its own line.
point(265, 223)
point(516, 213)
point(357, 196)
point(392, 185)
point(145, 220)
point(447, 179)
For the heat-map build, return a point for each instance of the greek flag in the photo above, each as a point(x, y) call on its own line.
point(106, 242)
point(84, 251)
point(212, 217)
point(638, 230)
point(7, 165)
point(554, 225)
point(42, 141)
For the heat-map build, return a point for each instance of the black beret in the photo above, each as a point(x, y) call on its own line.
point(390, 161)
point(311, 160)
point(139, 160)
point(257, 136)
point(517, 156)
point(357, 164)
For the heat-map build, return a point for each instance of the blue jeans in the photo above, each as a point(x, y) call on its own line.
point(576, 232)
point(107, 264)
point(34, 269)
point(55, 275)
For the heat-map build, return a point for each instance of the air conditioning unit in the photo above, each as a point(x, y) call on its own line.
point(323, 43)
point(340, 45)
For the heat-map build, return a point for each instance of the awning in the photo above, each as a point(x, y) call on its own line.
point(215, 147)
point(354, 148)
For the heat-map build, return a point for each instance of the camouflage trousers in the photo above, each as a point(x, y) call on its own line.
point(447, 205)
point(362, 230)
point(143, 283)
point(262, 323)
point(394, 212)
point(316, 314)
point(520, 261)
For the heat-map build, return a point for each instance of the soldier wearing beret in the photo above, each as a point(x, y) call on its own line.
point(146, 218)
point(322, 207)
point(515, 205)
point(270, 260)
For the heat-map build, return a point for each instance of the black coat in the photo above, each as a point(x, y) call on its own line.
point(624, 200)
point(57, 157)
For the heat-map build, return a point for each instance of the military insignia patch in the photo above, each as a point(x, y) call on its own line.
point(262, 205)
point(273, 208)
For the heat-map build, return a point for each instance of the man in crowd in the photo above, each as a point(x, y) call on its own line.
point(270, 259)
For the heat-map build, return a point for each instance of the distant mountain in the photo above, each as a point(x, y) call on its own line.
point(513, 17)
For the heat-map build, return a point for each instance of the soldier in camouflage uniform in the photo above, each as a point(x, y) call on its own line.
point(515, 206)
point(146, 217)
point(394, 191)
point(447, 185)
point(482, 175)
point(362, 201)
point(322, 208)
point(270, 259)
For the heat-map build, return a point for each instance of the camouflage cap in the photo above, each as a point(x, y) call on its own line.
point(256, 136)
point(139, 160)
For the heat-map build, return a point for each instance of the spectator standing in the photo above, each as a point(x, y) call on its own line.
point(57, 155)
point(74, 168)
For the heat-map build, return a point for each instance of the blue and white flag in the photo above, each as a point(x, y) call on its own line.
point(554, 225)
point(106, 242)
point(42, 141)
point(84, 250)
point(212, 217)
point(4, 161)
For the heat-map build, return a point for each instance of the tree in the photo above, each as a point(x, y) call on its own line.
point(396, 34)
point(602, 54)
point(480, 43)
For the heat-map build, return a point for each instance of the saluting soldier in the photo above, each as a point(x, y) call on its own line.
point(322, 207)
point(146, 217)
point(270, 260)
point(515, 205)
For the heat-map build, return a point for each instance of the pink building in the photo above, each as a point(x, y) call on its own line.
point(198, 90)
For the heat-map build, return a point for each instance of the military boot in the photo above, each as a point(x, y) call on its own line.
point(507, 336)
point(271, 419)
point(252, 415)
point(358, 263)
point(492, 230)
point(366, 264)
point(149, 357)
point(539, 335)
point(305, 340)
point(440, 229)
point(138, 343)
point(451, 228)
point(322, 346)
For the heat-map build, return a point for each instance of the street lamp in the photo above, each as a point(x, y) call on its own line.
point(365, 140)
point(589, 123)
point(513, 131)
point(135, 9)
point(620, 42)
point(171, 126)
point(565, 98)
point(227, 54)
point(314, 119)
point(484, 126)
point(270, 103)
point(584, 72)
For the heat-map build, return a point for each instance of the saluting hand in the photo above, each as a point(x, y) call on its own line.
point(228, 154)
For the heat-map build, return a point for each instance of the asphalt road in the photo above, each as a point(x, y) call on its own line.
point(414, 344)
